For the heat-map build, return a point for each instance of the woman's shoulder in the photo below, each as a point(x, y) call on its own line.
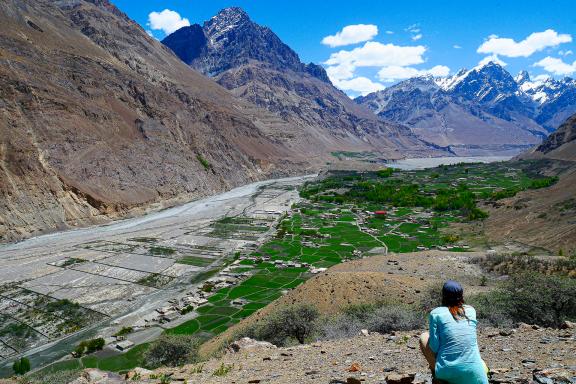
point(470, 311)
point(439, 311)
point(443, 311)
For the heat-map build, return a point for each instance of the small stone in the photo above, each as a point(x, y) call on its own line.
point(353, 380)
point(355, 367)
point(364, 332)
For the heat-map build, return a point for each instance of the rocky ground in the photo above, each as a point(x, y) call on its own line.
point(525, 354)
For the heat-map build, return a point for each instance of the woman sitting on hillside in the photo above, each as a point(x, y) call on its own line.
point(451, 346)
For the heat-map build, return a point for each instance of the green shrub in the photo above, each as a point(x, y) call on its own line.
point(532, 298)
point(386, 172)
point(223, 370)
point(203, 161)
point(172, 350)
point(89, 346)
point(292, 323)
point(543, 182)
point(21, 366)
point(124, 331)
point(385, 318)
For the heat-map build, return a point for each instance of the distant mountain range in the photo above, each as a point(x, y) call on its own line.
point(254, 64)
point(477, 111)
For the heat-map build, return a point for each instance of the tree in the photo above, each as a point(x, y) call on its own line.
point(295, 322)
point(89, 346)
point(172, 350)
point(95, 345)
point(21, 366)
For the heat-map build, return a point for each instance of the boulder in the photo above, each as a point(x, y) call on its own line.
point(96, 376)
point(248, 344)
point(568, 325)
point(555, 376)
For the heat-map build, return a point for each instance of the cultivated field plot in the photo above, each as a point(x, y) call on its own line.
point(239, 228)
point(29, 319)
point(99, 293)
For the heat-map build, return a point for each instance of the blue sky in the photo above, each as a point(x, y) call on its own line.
point(413, 37)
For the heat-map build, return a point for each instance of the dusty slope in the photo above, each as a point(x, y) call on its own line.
point(560, 145)
point(396, 277)
point(97, 119)
point(543, 217)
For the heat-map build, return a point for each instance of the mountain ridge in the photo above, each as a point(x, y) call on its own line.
point(255, 65)
point(477, 107)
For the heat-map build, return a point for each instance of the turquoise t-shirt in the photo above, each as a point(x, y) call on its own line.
point(455, 343)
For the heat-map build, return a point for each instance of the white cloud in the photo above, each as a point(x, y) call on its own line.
point(565, 53)
point(374, 54)
point(456, 46)
point(341, 72)
point(168, 21)
point(492, 58)
point(393, 73)
point(389, 32)
point(351, 34)
point(537, 41)
point(361, 85)
point(556, 66)
point(415, 30)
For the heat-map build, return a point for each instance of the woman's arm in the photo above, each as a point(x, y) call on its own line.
point(434, 341)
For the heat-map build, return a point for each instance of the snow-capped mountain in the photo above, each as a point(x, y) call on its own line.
point(478, 110)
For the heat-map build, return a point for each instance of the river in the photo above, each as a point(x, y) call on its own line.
point(431, 162)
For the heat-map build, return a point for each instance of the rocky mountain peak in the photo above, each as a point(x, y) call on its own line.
point(225, 21)
point(486, 83)
point(522, 77)
point(231, 39)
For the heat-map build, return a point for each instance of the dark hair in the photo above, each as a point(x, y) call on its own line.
point(453, 298)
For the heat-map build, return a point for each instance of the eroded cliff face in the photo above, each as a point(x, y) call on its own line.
point(99, 120)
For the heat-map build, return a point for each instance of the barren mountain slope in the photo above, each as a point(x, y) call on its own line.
point(98, 118)
point(560, 145)
point(252, 62)
point(543, 217)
